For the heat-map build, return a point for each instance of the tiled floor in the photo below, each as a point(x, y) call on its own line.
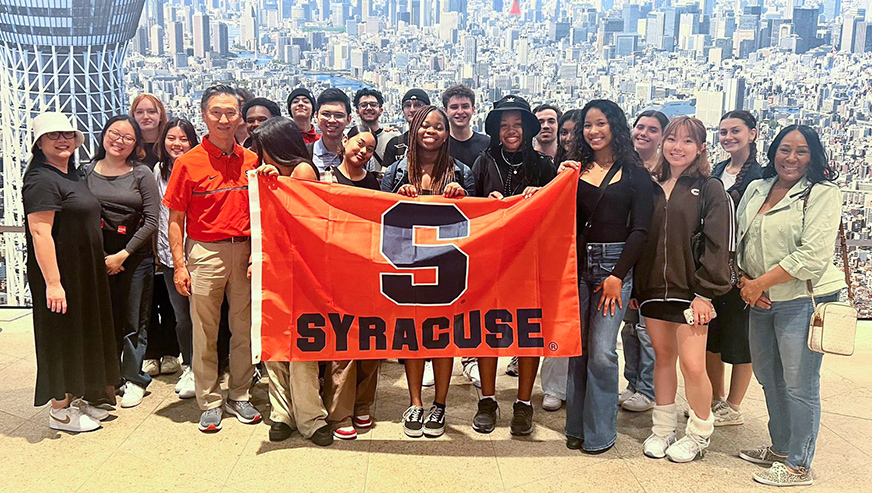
point(156, 446)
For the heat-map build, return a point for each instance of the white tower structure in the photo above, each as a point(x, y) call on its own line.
point(55, 55)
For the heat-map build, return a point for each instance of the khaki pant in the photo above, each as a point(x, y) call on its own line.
point(218, 269)
point(349, 390)
point(294, 395)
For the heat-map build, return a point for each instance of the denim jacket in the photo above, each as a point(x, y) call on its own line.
point(802, 246)
point(397, 175)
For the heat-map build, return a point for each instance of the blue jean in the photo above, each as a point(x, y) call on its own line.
point(182, 311)
point(131, 292)
point(638, 359)
point(592, 387)
point(790, 374)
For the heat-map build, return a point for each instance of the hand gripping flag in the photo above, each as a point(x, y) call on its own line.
point(342, 273)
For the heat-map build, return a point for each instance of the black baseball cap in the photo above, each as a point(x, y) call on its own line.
point(416, 95)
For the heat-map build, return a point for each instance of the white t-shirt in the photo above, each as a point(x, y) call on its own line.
point(728, 179)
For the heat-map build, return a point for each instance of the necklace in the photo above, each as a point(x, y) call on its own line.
point(508, 186)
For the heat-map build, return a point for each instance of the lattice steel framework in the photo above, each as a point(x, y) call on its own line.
point(55, 55)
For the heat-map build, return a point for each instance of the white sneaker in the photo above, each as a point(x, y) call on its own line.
point(638, 403)
point(151, 366)
point(512, 367)
point(624, 395)
point(185, 388)
point(429, 378)
point(727, 416)
point(470, 371)
point(690, 447)
point(551, 403)
point(169, 365)
point(133, 395)
point(95, 413)
point(655, 445)
point(71, 419)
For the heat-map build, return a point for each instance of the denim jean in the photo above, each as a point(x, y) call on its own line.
point(790, 374)
point(638, 359)
point(131, 291)
point(592, 387)
point(182, 311)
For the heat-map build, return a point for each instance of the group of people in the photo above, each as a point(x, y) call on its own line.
point(703, 265)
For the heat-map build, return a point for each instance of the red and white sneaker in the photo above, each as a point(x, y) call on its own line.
point(345, 433)
point(364, 421)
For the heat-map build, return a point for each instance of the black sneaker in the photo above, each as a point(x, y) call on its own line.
point(485, 419)
point(323, 436)
point(434, 425)
point(522, 419)
point(413, 421)
point(279, 431)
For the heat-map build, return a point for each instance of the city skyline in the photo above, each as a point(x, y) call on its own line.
point(787, 62)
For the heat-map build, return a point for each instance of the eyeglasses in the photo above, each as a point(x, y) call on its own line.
point(57, 135)
point(217, 114)
point(369, 104)
point(116, 135)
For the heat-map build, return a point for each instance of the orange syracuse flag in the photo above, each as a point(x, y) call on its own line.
point(342, 273)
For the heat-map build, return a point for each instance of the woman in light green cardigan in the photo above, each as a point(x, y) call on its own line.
point(788, 223)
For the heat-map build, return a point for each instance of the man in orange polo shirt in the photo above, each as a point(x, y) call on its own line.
point(208, 193)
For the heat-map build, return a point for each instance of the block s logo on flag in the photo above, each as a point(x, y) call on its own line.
point(400, 248)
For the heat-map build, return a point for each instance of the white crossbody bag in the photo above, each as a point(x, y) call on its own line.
point(833, 326)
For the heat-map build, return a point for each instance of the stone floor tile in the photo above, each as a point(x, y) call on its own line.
point(610, 475)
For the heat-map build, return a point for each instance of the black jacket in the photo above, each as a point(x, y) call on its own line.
point(754, 172)
point(666, 269)
point(491, 177)
point(397, 175)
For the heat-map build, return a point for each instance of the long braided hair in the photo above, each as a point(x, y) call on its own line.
point(750, 122)
point(443, 172)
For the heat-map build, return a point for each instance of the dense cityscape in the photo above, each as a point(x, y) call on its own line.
point(787, 62)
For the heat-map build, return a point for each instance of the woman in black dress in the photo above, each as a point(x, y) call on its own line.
point(72, 315)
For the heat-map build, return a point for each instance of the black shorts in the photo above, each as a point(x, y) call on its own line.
point(667, 311)
point(728, 332)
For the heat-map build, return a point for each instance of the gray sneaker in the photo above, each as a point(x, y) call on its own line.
point(780, 475)
point(763, 456)
point(210, 420)
point(244, 411)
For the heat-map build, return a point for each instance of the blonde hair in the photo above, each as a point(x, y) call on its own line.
point(696, 131)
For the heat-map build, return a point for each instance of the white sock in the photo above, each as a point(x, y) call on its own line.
point(488, 397)
point(735, 407)
point(665, 420)
point(523, 402)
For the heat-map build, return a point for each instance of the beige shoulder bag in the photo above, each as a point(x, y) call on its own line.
point(833, 325)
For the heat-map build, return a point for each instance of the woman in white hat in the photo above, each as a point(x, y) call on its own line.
point(77, 363)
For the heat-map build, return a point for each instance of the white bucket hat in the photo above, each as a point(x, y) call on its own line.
point(52, 121)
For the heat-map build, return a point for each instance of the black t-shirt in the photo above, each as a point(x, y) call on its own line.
point(150, 155)
point(369, 181)
point(622, 215)
point(467, 150)
point(396, 149)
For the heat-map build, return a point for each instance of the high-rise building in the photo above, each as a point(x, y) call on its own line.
point(157, 40)
point(831, 9)
point(805, 24)
point(470, 50)
point(850, 22)
point(177, 37)
point(74, 65)
point(220, 39)
point(201, 35)
point(250, 28)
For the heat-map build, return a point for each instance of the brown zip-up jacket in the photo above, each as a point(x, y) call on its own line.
point(666, 270)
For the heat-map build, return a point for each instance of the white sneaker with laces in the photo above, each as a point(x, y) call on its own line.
point(133, 395)
point(429, 378)
point(727, 416)
point(92, 412)
point(638, 403)
point(185, 388)
point(151, 366)
point(624, 395)
point(470, 371)
point(169, 365)
point(551, 403)
point(690, 447)
point(71, 419)
point(655, 445)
